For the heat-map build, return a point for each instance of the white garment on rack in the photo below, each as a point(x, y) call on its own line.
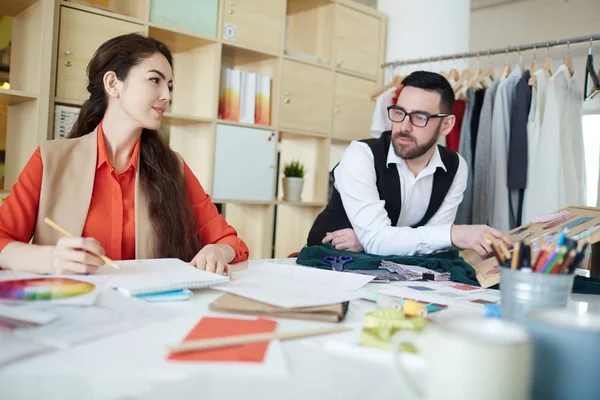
point(381, 121)
point(534, 127)
point(558, 176)
point(499, 214)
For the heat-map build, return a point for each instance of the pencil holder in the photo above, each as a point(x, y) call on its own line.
point(521, 292)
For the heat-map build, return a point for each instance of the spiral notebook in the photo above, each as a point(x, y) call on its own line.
point(138, 277)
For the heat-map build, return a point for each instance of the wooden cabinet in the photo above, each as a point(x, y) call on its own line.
point(307, 96)
point(353, 109)
point(80, 34)
point(257, 24)
point(193, 16)
point(357, 37)
point(244, 164)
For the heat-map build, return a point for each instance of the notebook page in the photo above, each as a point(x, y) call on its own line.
point(156, 275)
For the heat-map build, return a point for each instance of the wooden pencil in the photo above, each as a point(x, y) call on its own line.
point(204, 344)
point(69, 234)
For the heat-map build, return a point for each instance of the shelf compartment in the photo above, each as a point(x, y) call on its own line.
point(292, 227)
point(195, 74)
point(196, 17)
point(196, 144)
point(256, 62)
point(254, 225)
point(132, 11)
point(310, 25)
point(10, 97)
point(14, 7)
point(353, 109)
point(255, 24)
point(312, 153)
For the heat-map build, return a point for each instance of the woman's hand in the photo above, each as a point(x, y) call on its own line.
point(215, 258)
point(76, 255)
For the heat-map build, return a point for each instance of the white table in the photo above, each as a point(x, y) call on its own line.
point(132, 365)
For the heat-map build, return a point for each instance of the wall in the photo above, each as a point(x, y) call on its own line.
point(425, 28)
point(530, 21)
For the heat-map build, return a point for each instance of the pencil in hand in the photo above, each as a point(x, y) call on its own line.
point(69, 234)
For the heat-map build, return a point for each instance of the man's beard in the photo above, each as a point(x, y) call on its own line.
point(410, 153)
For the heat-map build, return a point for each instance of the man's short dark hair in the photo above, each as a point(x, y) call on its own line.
point(434, 82)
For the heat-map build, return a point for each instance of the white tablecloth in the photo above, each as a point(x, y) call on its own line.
point(132, 365)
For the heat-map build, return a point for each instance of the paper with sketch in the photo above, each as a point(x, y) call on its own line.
point(295, 286)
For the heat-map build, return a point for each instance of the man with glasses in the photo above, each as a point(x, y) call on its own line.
point(398, 194)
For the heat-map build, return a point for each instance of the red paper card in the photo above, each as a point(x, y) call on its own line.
point(212, 327)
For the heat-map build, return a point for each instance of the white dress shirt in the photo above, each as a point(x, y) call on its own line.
point(558, 174)
point(380, 122)
point(355, 179)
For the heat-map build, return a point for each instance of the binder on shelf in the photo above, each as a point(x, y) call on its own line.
point(263, 100)
point(229, 98)
point(248, 97)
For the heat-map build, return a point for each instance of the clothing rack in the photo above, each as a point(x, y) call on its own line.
point(500, 50)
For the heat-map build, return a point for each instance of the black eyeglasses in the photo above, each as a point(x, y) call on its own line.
point(417, 118)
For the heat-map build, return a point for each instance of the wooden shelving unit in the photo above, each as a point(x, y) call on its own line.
point(10, 97)
point(322, 57)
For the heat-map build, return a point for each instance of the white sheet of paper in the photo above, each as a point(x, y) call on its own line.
point(155, 275)
point(295, 286)
point(25, 314)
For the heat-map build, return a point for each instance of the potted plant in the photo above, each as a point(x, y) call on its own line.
point(293, 180)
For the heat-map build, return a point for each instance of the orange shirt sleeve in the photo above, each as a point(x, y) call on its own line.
point(212, 227)
point(18, 213)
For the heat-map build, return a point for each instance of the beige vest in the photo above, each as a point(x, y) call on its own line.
point(66, 193)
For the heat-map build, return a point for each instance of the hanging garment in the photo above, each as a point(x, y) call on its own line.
point(534, 127)
point(573, 149)
point(477, 104)
point(483, 150)
point(498, 212)
point(381, 122)
point(517, 149)
point(558, 176)
point(465, 212)
point(453, 138)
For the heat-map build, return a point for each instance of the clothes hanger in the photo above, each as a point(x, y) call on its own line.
point(453, 74)
point(532, 69)
point(548, 62)
point(506, 70)
point(591, 73)
point(396, 80)
point(567, 61)
point(521, 65)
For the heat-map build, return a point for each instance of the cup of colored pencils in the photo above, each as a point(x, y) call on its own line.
point(543, 280)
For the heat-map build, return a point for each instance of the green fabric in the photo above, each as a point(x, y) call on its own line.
point(446, 261)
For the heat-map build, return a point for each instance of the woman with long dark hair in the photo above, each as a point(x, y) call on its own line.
point(114, 183)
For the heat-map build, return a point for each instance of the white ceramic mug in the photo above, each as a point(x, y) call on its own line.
point(470, 359)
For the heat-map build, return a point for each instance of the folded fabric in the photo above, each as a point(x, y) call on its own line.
point(443, 261)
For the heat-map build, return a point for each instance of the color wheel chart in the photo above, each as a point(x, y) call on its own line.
point(43, 289)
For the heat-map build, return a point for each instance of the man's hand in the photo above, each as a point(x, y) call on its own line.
point(471, 237)
point(344, 239)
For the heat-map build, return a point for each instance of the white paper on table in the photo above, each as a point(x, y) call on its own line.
point(443, 294)
point(13, 348)
point(295, 286)
point(25, 314)
point(10, 275)
point(113, 313)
